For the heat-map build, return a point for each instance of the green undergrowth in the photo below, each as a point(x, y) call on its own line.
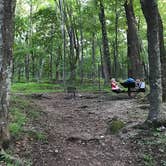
point(7, 159)
point(33, 87)
point(114, 126)
point(152, 146)
point(22, 113)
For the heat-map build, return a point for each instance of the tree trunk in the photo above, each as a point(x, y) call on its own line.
point(93, 58)
point(71, 57)
point(162, 58)
point(81, 60)
point(51, 67)
point(106, 53)
point(33, 65)
point(27, 66)
point(116, 42)
point(150, 11)
point(6, 42)
point(61, 7)
point(19, 73)
point(73, 41)
point(135, 67)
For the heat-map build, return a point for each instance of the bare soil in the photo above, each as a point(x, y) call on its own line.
point(76, 130)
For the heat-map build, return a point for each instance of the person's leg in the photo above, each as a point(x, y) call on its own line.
point(124, 84)
point(129, 91)
point(116, 90)
point(141, 90)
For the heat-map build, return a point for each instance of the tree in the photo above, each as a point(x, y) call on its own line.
point(135, 67)
point(150, 10)
point(106, 52)
point(7, 8)
point(162, 58)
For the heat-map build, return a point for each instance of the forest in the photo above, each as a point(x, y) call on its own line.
point(63, 65)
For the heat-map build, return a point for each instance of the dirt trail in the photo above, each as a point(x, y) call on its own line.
point(76, 130)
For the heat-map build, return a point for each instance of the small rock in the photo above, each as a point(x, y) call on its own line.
point(56, 151)
point(161, 150)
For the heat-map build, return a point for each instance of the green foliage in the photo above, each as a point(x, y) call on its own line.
point(36, 87)
point(163, 162)
point(28, 88)
point(114, 126)
point(39, 35)
point(21, 110)
point(18, 121)
point(39, 136)
point(153, 142)
point(7, 159)
point(148, 160)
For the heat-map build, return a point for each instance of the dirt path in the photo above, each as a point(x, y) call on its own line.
point(76, 130)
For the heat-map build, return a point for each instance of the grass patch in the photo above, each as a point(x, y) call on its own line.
point(114, 126)
point(18, 120)
point(21, 111)
point(36, 135)
point(32, 87)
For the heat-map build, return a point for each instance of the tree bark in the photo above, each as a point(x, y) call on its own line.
point(135, 67)
point(7, 8)
point(150, 11)
point(61, 7)
point(93, 57)
point(162, 58)
point(27, 67)
point(106, 53)
point(116, 41)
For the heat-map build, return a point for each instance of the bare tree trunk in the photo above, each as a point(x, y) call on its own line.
point(61, 6)
point(27, 67)
point(57, 62)
point(150, 11)
point(106, 53)
point(72, 55)
point(33, 65)
point(51, 66)
point(19, 73)
point(74, 43)
point(162, 58)
point(6, 42)
point(135, 67)
point(116, 42)
point(82, 55)
point(40, 72)
point(93, 57)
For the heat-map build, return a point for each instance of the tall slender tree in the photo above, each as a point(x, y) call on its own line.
point(162, 58)
point(135, 67)
point(7, 8)
point(106, 52)
point(115, 43)
point(61, 7)
point(150, 11)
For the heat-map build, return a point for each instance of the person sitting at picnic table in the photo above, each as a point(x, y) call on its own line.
point(140, 85)
point(114, 86)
